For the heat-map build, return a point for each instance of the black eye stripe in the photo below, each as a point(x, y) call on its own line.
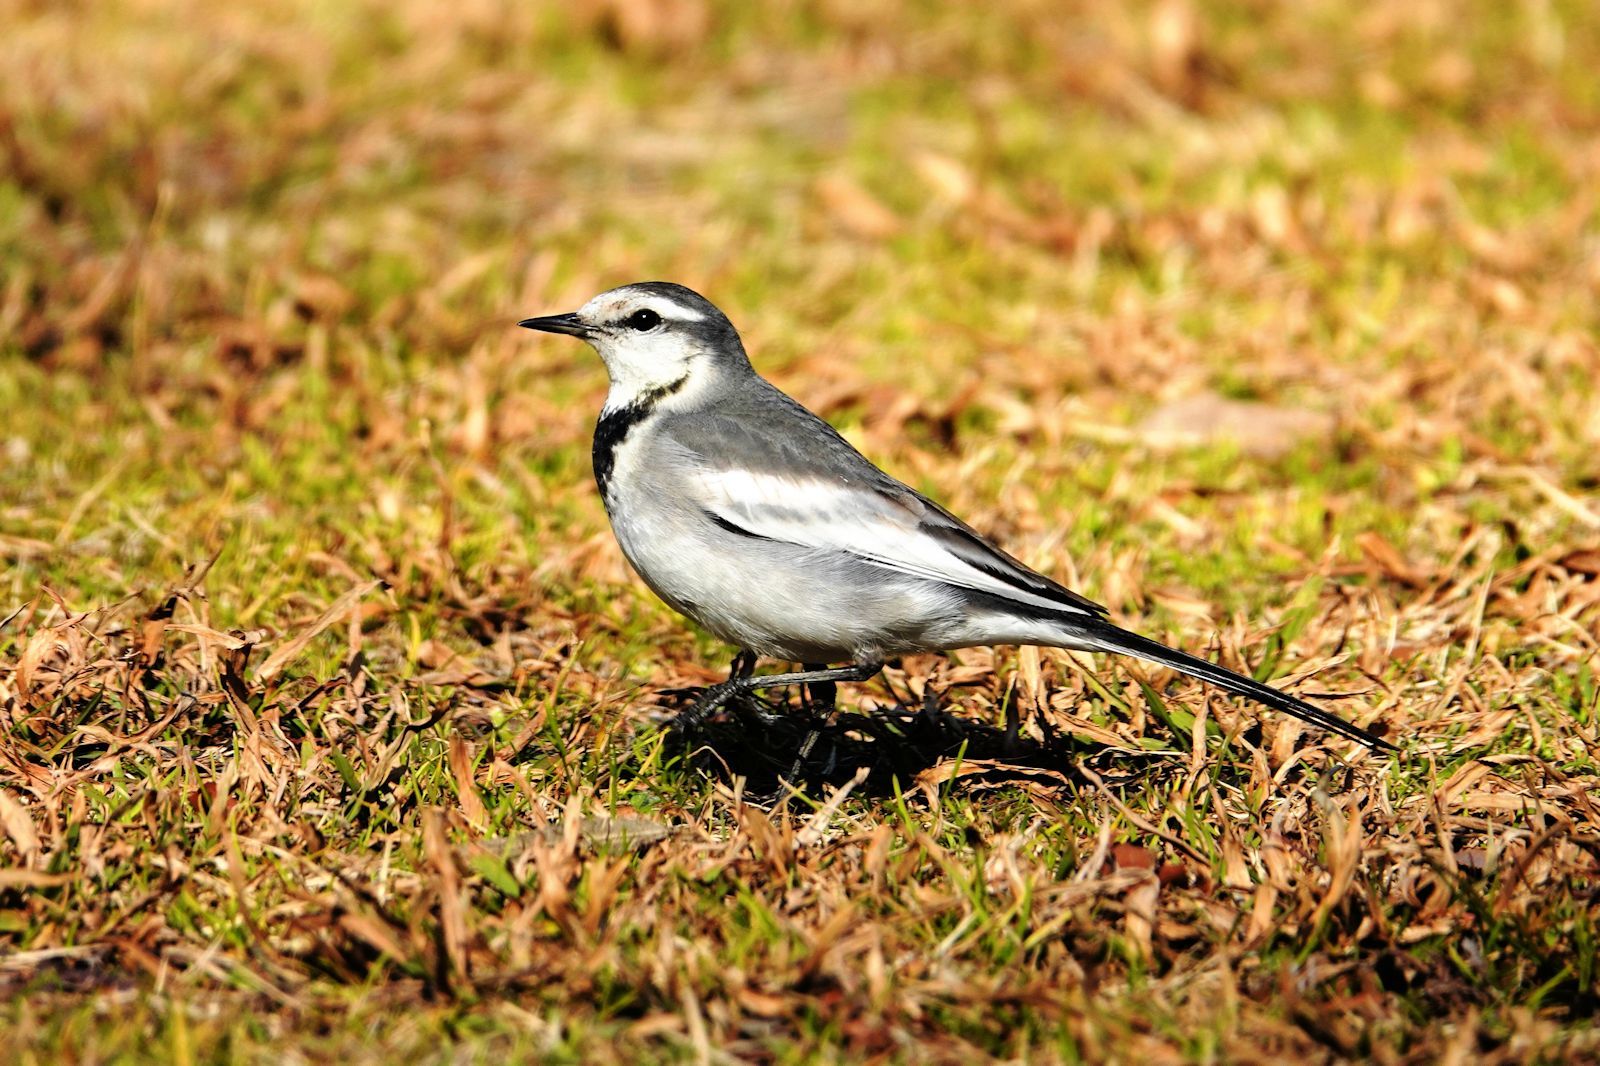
point(642, 320)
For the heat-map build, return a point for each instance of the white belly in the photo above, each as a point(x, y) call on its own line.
point(776, 599)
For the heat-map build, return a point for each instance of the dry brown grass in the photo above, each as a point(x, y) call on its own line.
point(328, 707)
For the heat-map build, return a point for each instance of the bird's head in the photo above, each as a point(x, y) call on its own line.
point(653, 336)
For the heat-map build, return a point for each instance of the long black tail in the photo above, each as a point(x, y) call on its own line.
point(1107, 637)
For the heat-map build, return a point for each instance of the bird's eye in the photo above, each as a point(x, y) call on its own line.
point(642, 320)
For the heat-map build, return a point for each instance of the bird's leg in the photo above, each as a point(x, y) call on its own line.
point(821, 696)
point(717, 695)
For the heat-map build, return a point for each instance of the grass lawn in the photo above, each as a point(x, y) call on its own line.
point(330, 714)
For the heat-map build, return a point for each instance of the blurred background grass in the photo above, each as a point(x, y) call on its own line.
point(1231, 313)
point(271, 243)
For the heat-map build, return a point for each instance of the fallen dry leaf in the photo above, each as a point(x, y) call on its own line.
point(275, 662)
point(1207, 419)
point(857, 211)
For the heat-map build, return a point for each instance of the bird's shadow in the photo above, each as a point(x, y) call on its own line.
point(778, 745)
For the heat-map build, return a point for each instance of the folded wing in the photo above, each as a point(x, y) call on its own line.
point(879, 521)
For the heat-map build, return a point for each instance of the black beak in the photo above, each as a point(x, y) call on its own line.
point(567, 324)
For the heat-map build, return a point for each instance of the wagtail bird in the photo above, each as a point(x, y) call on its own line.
point(755, 518)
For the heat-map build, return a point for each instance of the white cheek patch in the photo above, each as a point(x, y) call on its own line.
point(642, 364)
point(650, 361)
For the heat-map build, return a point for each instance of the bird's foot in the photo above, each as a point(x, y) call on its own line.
point(736, 687)
point(693, 716)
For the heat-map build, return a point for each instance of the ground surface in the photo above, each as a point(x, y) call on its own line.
point(329, 711)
